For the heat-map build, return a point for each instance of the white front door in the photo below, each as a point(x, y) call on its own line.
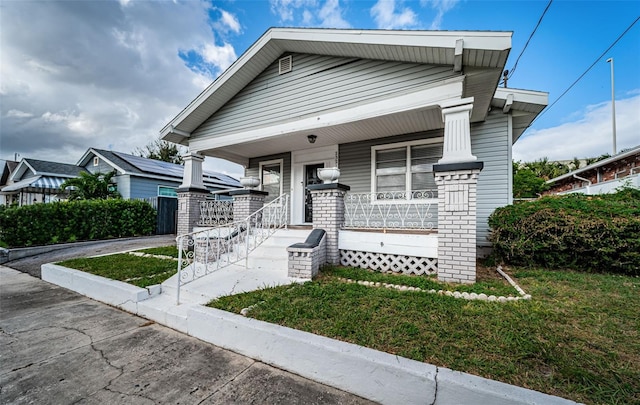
point(303, 163)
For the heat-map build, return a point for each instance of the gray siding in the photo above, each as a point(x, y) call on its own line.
point(355, 159)
point(490, 144)
point(144, 188)
point(317, 83)
point(254, 167)
point(103, 167)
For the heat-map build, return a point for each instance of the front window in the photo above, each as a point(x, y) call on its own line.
point(405, 170)
point(271, 179)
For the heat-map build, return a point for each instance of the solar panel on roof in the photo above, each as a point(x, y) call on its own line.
point(171, 169)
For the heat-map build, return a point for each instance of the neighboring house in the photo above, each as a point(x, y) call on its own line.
point(602, 177)
point(414, 121)
point(138, 177)
point(8, 167)
point(36, 181)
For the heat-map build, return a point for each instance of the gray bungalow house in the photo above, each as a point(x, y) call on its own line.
point(413, 121)
point(138, 177)
point(33, 181)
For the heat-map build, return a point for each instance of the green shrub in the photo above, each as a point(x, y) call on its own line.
point(599, 233)
point(59, 222)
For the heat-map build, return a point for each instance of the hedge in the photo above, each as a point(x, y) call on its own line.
point(58, 222)
point(589, 233)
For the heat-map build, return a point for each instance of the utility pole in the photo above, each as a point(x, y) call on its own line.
point(613, 108)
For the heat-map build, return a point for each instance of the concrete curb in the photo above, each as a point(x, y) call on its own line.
point(112, 292)
point(372, 374)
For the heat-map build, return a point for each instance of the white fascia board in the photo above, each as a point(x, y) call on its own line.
point(487, 40)
point(523, 96)
point(449, 92)
point(115, 166)
point(20, 169)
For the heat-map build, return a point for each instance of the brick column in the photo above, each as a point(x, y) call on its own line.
point(189, 208)
point(457, 184)
point(190, 193)
point(246, 202)
point(328, 214)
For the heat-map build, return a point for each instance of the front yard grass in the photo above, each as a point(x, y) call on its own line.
point(136, 270)
point(578, 338)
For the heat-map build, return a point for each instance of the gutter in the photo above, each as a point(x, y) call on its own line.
point(583, 179)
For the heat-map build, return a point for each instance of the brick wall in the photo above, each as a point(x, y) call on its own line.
point(306, 262)
point(189, 209)
point(328, 214)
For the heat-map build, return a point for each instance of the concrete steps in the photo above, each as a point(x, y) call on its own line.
point(272, 253)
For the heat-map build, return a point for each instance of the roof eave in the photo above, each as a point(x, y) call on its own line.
point(595, 165)
point(278, 40)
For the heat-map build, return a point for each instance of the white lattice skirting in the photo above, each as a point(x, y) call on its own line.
point(389, 262)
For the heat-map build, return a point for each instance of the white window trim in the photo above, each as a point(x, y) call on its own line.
point(272, 162)
point(407, 144)
point(96, 161)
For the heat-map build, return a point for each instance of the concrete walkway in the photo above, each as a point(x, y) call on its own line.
point(59, 347)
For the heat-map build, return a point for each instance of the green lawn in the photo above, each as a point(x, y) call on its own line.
point(139, 271)
point(579, 337)
point(170, 251)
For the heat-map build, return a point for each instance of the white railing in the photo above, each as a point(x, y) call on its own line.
point(205, 251)
point(215, 213)
point(391, 210)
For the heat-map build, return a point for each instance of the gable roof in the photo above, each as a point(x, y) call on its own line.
point(604, 162)
point(140, 166)
point(473, 49)
point(45, 168)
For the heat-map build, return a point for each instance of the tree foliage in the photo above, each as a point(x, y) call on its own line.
point(161, 150)
point(91, 186)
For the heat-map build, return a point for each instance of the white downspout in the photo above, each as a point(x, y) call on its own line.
point(583, 179)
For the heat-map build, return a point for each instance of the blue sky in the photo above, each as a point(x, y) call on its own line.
point(110, 74)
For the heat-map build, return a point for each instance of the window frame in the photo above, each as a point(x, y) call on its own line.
point(270, 163)
point(407, 171)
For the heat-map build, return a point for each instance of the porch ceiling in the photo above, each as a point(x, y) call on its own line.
point(379, 127)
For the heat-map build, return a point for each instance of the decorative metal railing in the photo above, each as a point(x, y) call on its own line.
point(205, 251)
point(391, 210)
point(215, 213)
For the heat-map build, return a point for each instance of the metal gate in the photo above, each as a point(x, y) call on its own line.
point(167, 209)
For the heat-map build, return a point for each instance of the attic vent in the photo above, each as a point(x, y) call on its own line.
point(285, 65)
point(96, 161)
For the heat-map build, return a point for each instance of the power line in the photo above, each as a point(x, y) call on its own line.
point(513, 69)
point(586, 71)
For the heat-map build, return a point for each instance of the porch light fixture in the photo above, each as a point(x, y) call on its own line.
point(312, 138)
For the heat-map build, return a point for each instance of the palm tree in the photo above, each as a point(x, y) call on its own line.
point(91, 186)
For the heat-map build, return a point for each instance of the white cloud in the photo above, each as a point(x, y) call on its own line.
point(230, 21)
point(331, 15)
point(220, 56)
point(328, 14)
point(285, 9)
point(101, 74)
point(588, 136)
point(18, 114)
point(391, 15)
point(441, 7)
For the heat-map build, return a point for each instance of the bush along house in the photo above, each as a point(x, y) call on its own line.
point(396, 143)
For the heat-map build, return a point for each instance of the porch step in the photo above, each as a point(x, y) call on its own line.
point(272, 254)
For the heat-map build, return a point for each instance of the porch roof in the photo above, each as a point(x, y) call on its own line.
point(483, 55)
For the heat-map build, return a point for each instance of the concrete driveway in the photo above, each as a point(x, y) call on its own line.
point(58, 347)
point(32, 264)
